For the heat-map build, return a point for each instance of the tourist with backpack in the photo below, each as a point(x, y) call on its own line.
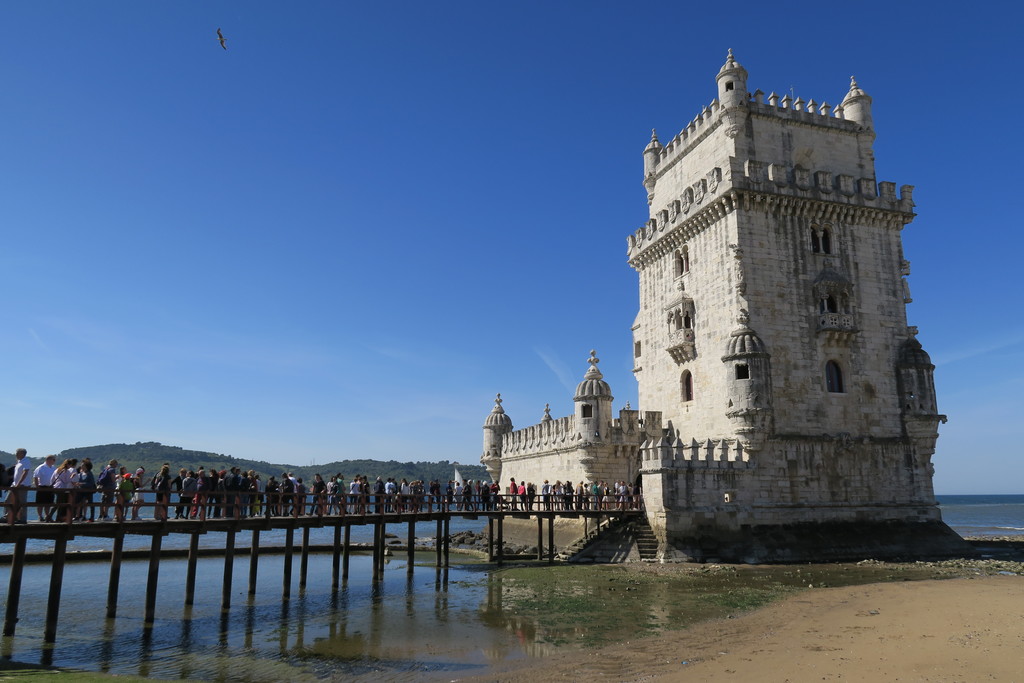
point(107, 483)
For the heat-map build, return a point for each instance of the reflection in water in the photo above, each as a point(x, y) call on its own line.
point(436, 623)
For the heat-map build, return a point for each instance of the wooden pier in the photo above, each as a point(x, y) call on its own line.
point(60, 533)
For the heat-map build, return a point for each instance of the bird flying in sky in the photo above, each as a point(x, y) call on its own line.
point(223, 42)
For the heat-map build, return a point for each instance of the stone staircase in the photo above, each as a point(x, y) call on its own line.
point(615, 541)
point(568, 553)
point(646, 541)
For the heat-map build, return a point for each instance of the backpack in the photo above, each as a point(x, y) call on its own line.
point(106, 477)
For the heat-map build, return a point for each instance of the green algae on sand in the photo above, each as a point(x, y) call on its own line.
point(592, 605)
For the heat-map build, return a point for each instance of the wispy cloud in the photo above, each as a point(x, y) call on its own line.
point(981, 350)
point(39, 340)
point(557, 366)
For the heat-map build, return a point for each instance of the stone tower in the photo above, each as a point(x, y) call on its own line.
point(797, 408)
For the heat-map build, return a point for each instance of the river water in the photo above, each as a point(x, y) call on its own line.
point(405, 628)
point(431, 626)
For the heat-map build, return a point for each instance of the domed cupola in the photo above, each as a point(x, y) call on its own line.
point(498, 419)
point(593, 402)
point(732, 95)
point(593, 384)
point(651, 154)
point(857, 106)
point(496, 426)
point(749, 381)
point(912, 355)
point(915, 376)
point(744, 343)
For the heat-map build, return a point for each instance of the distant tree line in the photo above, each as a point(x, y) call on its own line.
point(151, 455)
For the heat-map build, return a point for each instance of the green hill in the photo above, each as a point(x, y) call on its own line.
point(152, 456)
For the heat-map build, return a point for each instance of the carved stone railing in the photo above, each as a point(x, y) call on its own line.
point(836, 321)
point(681, 345)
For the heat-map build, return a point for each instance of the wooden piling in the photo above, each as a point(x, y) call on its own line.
point(490, 539)
point(540, 537)
point(447, 538)
point(14, 586)
point(411, 545)
point(345, 552)
point(115, 574)
point(152, 580)
point(254, 561)
point(190, 572)
point(60, 547)
point(437, 542)
point(551, 539)
point(289, 542)
point(229, 569)
point(375, 570)
point(336, 558)
point(304, 561)
point(500, 557)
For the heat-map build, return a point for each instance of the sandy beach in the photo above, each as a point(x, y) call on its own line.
point(964, 629)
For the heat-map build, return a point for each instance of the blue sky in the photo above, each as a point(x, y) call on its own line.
point(340, 237)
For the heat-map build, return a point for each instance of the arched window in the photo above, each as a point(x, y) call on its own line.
point(826, 241)
point(815, 242)
point(686, 259)
point(678, 262)
point(834, 378)
point(686, 385)
point(677, 320)
point(687, 322)
point(828, 305)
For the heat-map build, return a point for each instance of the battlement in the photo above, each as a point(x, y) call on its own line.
point(796, 188)
point(695, 131)
point(783, 108)
point(566, 433)
point(810, 112)
point(665, 453)
point(543, 436)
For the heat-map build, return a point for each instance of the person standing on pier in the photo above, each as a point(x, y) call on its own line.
point(42, 479)
point(107, 482)
point(187, 494)
point(86, 483)
point(17, 513)
point(162, 485)
point(63, 483)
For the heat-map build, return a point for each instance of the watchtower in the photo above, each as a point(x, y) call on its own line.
point(772, 337)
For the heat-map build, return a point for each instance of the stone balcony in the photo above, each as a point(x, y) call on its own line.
point(681, 345)
point(838, 327)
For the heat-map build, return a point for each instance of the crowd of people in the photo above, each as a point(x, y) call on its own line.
point(68, 493)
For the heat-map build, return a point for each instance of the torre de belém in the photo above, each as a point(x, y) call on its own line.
point(788, 411)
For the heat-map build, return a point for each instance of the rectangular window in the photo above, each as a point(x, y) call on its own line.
point(636, 349)
point(742, 371)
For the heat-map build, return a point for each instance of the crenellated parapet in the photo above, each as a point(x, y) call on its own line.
point(667, 454)
point(569, 433)
point(553, 434)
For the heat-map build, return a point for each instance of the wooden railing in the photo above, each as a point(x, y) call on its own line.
point(78, 505)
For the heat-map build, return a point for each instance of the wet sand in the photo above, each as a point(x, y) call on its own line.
point(963, 629)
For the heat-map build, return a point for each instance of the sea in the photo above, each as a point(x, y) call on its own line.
point(984, 515)
point(431, 625)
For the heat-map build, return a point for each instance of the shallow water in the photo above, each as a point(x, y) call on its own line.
point(432, 626)
point(404, 628)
